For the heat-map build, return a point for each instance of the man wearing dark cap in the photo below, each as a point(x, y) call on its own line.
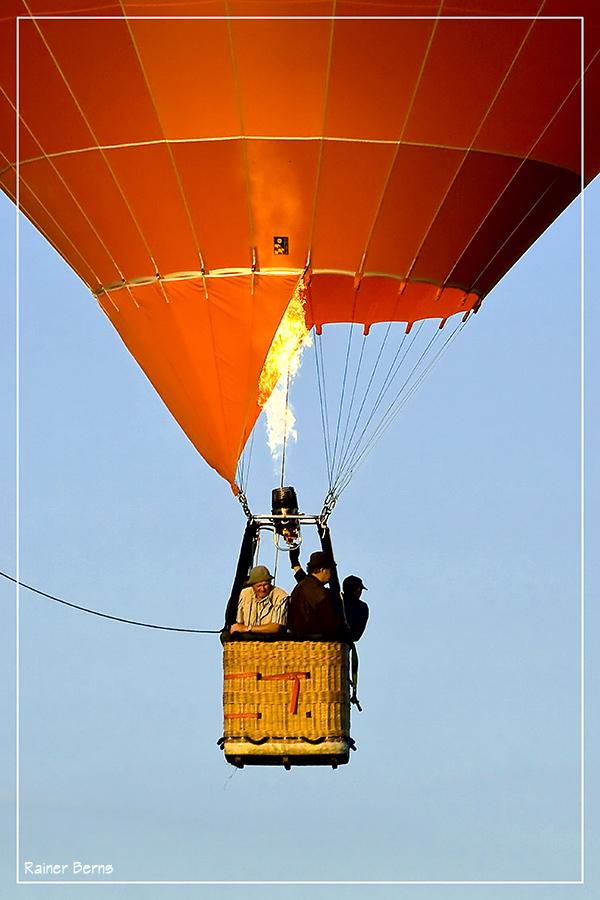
point(262, 608)
point(356, 611)
point(312, 612)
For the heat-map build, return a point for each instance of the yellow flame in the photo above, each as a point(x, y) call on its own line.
point(281, 365)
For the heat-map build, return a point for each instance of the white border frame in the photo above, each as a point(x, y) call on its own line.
point(109, 881)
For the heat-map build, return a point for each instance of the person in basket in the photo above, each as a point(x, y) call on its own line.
point(262, 608)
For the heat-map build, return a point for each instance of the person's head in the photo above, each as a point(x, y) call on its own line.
point(353, 585)
point(320, 565)
point(260, 580)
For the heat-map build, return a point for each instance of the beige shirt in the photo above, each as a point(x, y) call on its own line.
point(254, 611)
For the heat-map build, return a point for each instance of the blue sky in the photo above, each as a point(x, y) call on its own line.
point(464, 524)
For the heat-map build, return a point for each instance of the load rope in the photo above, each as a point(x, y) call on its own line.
point(361, 433)
point(94, 612)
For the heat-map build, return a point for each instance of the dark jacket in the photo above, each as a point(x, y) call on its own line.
point(357, 613)
point(311, 610)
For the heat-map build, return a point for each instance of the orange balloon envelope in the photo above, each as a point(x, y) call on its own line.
point(195, 161)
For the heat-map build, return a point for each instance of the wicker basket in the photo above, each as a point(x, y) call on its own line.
point(286, 703)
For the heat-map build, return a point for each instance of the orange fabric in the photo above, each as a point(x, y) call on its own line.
point(204, 354)
point(416, 159)
point(289, 676)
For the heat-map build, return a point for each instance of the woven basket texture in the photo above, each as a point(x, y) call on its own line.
point(311, 676)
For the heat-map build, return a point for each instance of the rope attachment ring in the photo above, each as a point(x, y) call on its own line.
point(245, 506)
point(328, 506)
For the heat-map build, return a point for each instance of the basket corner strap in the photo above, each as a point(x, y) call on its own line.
point(296, 677)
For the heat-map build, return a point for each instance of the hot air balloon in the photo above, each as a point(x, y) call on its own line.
point(228, 177)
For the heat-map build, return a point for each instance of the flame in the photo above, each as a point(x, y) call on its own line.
point(279, 370)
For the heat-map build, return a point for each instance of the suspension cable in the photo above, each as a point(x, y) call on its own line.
point(352, 398)
point(243, 470)
point(339, 417)
point(392, 413)
point(356, 443)
point(323, 404)
point(369, 385)
point(388, 381)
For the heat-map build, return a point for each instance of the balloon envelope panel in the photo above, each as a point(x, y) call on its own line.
point(193, 170)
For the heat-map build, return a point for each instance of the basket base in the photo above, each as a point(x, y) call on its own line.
point(332, 753)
